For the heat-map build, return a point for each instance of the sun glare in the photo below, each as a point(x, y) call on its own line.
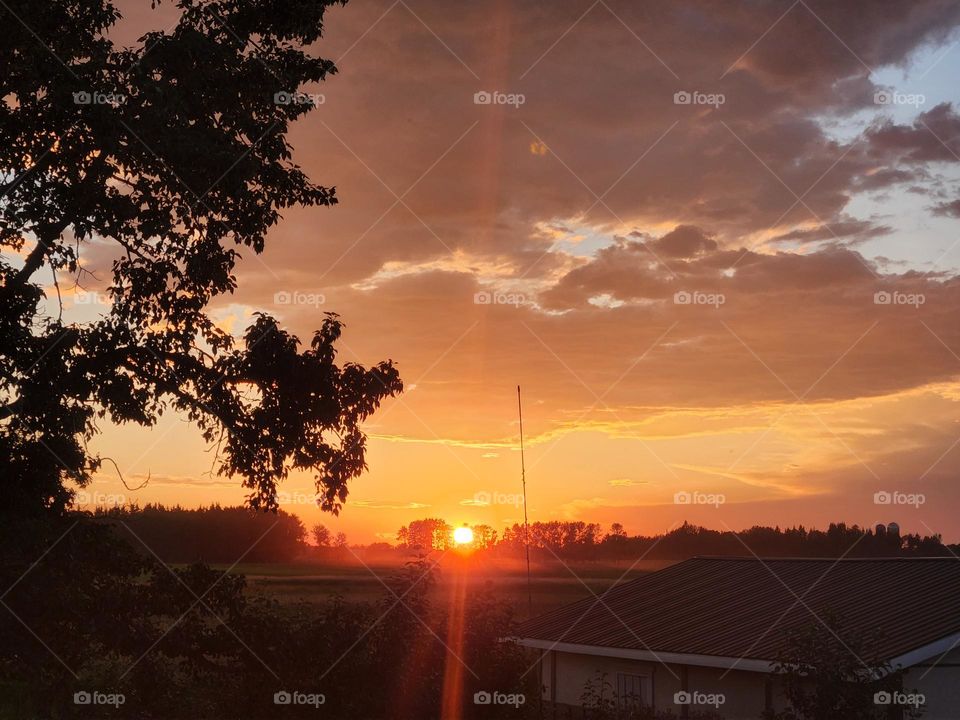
point(463, 535)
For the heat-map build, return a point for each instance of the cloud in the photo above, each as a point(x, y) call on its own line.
point(387, 505)
point(474, 502)
point(846, 230)
point(684, 241)
point(154, 480)
point(932, 137)
point(625, 482)
point(620, 155)
point(948, 209)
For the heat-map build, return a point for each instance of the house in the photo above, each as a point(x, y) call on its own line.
point(705, 633)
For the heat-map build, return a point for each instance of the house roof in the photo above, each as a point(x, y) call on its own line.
point(714, 611)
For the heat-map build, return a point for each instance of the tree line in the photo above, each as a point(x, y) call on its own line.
point(213, 534)
point(578, 540)
point(218, 534)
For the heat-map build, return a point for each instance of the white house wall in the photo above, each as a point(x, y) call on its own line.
point(939, 682)
point(744, 692)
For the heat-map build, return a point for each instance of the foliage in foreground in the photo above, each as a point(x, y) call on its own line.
point(600, 702)
point(131, 159)
point(189, 643)
point(828, 673)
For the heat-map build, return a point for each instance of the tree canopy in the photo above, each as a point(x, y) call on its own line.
point(173, 156)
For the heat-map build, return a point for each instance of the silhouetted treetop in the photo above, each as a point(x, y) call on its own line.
point(168, 156)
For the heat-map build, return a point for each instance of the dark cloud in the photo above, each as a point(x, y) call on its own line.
point(845, 230)
point(948, 209)
point(599, 138)
point(933, 136)
point(684, 241)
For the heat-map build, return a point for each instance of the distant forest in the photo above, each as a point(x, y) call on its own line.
point(213, 534)
point(219, 534)
point(587, 541)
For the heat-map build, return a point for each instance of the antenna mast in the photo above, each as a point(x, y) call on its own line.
point(526, 526)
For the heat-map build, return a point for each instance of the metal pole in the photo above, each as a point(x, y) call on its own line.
point(526, 526)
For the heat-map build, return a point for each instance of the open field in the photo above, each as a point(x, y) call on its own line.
point(550, 585)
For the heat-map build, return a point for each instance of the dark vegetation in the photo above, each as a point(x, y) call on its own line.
point(221, 535)
point(190, 643)
point(824, 679)
point(587, 541)
point(212, 534)
point(181, 167)
point(173, 179)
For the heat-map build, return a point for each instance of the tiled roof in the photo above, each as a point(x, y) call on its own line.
point(741, 607)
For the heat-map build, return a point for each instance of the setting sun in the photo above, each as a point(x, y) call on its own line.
point(463, 535)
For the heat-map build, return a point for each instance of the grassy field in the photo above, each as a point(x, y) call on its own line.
point(551, 585)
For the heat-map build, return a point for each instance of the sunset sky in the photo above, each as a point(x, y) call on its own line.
point(805, 201)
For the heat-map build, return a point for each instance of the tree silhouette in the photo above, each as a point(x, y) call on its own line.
point(825, 678)
point(426, 534)
point(321, 535)
point(173, 154)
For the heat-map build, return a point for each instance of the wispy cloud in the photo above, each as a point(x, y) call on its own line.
point(388, 505)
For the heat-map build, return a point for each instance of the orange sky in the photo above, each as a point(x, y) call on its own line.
point(688, 292)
